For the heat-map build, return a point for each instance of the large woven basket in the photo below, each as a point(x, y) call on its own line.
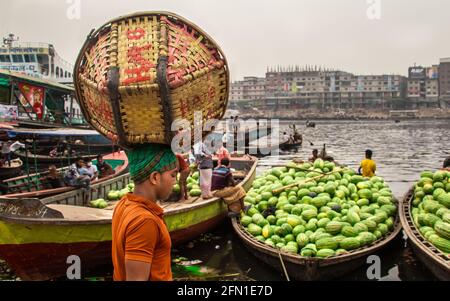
point(136, 74)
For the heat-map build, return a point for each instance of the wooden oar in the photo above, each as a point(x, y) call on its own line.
point(276, 191)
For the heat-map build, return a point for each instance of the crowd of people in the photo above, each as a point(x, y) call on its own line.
point(80, 174)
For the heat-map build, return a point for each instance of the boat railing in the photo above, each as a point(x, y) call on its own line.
point(81, 197)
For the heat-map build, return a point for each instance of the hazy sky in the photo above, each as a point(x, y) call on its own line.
point(254, 34)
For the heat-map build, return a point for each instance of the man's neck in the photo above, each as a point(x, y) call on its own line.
point(145, 192)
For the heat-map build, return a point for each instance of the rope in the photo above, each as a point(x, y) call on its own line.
point(282, 264)
point(35, 162)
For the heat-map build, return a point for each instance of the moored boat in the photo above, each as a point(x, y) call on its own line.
point(317, 221)
point(434, 259)
point(54, 228)
point(44, 159)
point(312, 268)
point(13, 170)
point(37, 186)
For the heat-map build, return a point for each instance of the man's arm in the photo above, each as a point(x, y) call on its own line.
point(137, 270)
point(359, 170)
point(231, 181)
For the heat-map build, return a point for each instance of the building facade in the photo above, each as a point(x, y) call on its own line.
point(312, 87)
point(444, 80)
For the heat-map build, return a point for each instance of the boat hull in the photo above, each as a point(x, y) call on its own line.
point(44, 245)
point(306, 268)
point(432, 258)
point(49, 260)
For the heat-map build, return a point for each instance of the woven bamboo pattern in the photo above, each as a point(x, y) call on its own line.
point(136, 74)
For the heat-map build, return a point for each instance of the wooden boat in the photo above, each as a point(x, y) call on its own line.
point(14, 170)
point(290, 145)
point(37, 186)
point(310, 124)
point(264, 147)
point(311, 268)
point(88, 148)
point(39, 235)
point(435, 260)
point(44, 159)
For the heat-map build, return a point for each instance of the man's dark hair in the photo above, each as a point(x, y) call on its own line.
point(99, 157)
point(446, 162)
point(87, 160)
point(79, 159)
point(225, 161)
point(315, 151)
point(368, 153)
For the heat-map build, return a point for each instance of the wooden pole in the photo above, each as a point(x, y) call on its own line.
point(276, 191)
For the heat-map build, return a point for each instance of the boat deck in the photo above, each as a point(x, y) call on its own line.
point(78, 213)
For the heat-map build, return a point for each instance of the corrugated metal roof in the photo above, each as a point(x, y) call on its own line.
point(35, 80)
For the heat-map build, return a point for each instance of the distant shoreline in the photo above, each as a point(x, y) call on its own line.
point(349, 118)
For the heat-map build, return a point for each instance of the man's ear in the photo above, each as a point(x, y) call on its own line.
point(155, 177)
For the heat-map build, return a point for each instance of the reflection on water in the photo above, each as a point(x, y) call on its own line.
point(401, 151)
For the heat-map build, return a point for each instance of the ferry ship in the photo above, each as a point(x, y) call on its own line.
point(34, 59)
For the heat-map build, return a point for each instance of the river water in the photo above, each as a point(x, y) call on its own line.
point(401, 151)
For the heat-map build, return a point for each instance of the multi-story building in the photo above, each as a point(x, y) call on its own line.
point(444, 79)
point(251, 88)
point(308, 87)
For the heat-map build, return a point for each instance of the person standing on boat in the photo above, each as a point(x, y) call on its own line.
point(184, 171)
point(222, 152)
point(141, 242)
point(368, 166)
point(205, 165)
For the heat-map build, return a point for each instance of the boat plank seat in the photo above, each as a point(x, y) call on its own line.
point(79, 213)
point(33, 185)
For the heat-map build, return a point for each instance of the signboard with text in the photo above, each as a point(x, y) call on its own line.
point(32, 96)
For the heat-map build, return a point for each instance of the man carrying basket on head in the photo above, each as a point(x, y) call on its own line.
point(133, 78)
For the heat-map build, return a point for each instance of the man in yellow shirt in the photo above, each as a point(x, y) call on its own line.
point(368, 166)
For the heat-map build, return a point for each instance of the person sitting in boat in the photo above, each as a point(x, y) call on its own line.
point(141, 243)
point(367, 167)
point(103, 168)
point(184, 170)
point(285, 137)
point(72, 176)
point(53, 178)
point(6, 152)
point(315, 155)
point(89, 169)
point(446, 165)
point(224, 186)
point(298, 137)
point(53, 152)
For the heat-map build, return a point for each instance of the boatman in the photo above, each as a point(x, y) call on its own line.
point(140, 240)
point(368, 166)
point(446, 164)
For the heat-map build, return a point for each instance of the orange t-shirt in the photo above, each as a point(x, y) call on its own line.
point(140, 233)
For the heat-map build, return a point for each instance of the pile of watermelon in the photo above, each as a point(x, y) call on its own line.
point(193, 185)
point(431, 208)
point(330, 215)
point(114, 195)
